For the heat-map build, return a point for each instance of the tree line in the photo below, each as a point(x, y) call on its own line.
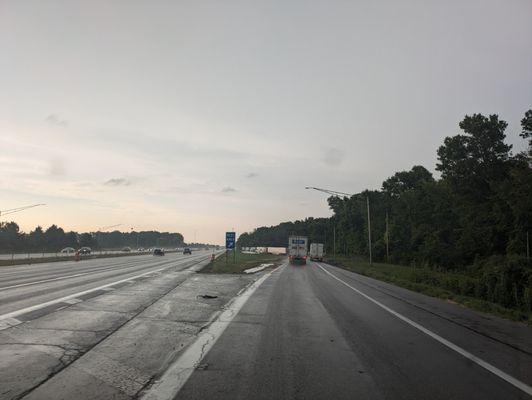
point(53, 239)
point(475, 218)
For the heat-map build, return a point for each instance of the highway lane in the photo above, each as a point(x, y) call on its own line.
point(20, 256)
point(325, 333)
point(26, 286)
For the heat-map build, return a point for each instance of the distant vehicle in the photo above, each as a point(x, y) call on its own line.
point(85, 250)
point(297, 249)
point(68, 250)
point(186, 250)
point(158, 252)
point(316, 251)
point(126, 249)
point(140, 249)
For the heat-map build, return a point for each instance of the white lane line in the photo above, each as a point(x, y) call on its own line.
point(167, 387)
point(46, 280)
point(72, 296)
point(109, 268)
point(494, 370)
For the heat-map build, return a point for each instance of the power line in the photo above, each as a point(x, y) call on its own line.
point(109, 227)
point(336, 193)
point(18, 209)
point(333, 192)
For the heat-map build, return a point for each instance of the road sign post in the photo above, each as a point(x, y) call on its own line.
point(230, 239)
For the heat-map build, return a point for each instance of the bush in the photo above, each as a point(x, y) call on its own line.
point(506, 281)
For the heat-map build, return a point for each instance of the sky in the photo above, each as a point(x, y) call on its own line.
point(206, 116)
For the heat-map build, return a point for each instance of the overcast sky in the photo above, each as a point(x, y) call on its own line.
point(200, 116)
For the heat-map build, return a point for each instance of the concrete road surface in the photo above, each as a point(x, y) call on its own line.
point(152, 328)
point(319, 332)
point(26, 286)
point(102, 329)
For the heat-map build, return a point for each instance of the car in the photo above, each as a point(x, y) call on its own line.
point(85, 250)
point(186, 250)
point(158, 252)
point(68, 250)
point(126, 249)
point(140, 249)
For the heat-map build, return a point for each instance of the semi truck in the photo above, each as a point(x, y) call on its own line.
point(316, 251)
point(297, 249)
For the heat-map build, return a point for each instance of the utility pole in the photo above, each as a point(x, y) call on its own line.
point(334, 242)
point(369, 231)
point(325, 240)
point(387, 240)
point(527, 247)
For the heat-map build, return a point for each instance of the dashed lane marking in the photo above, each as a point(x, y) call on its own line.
point(16, 313)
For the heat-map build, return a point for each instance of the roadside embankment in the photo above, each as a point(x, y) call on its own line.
point(452, 286)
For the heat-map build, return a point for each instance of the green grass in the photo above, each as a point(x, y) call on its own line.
point(432, 283)
point(243, 261)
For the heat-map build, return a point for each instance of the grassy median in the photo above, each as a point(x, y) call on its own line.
point(244, 261)
point(444, 285)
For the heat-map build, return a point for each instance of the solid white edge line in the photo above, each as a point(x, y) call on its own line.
point(494, 370)
point(16, 313)
point(171, 382)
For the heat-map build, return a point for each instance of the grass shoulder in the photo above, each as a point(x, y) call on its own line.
point(223, 265)
point(444, 285)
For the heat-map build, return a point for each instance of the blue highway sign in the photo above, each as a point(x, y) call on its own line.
point(230, 238)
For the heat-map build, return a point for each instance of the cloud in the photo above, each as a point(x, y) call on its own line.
point(57, 166)
point(54, 119)
point(252, 175)
point(118, 182)
point(228, 189)
point(333, 157)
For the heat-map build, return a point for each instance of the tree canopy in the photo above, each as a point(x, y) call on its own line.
point(54, 239)
point(480, 206)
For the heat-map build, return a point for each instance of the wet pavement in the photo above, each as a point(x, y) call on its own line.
point(111, 345)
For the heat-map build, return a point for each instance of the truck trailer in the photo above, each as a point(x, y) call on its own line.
point(297, 249)
point(316, 251)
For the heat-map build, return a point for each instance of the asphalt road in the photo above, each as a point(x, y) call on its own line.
point(19, 256)
point(324, 333)
point(26, 287)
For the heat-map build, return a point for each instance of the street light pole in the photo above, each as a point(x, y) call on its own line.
point(337, 194)
point(334, 242)
point(387, 240)
point(369, 231)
